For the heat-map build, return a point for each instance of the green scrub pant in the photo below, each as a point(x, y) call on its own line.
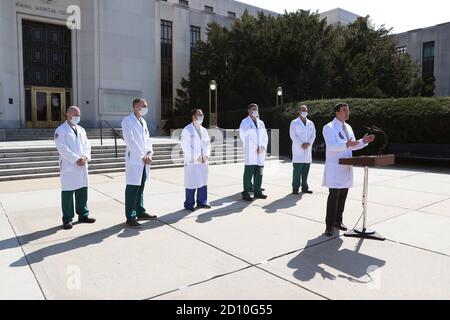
point(134, 199)
point(300, 176)
point(255, 172)
point(81, 197)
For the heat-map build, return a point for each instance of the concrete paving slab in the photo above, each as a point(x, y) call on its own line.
point(413, 200)
point(39, 200)
point(350, 269)
point(121, 263)
point(440, 208)
point(419, 229)
point(248, 284)
point(16, 283)
point(251, 234)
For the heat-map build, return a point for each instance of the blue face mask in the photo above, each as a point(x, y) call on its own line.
point(200, 120)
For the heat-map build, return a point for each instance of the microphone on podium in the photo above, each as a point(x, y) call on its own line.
point(376, 130)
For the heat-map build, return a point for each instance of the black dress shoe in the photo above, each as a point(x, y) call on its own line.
point(341, 227)
point(307, 191)
point(190, 209)
point(204, 206)
point(247, 197)
point(146, 217)
point(86, 220)
point(133, 224)
point(295, 191)
point(68, 226)
point(329, 232)
point(260, 196)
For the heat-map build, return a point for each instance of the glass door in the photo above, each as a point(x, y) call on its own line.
point(48, 106)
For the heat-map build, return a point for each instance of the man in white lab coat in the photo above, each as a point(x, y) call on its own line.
point(74, 153)
point(254, 137)
point(303, 135)
point(340, 143)
point(138, 158)
point(196, 146)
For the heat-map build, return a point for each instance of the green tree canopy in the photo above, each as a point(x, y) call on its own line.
point(300, 52)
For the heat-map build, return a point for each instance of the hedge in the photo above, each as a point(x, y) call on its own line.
point(405, 120)
point(227, 119)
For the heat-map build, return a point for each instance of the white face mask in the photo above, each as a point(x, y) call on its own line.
point(143, 112)
point(255, 114)
point(75, 120)
point(200, 120)
point(304, 114)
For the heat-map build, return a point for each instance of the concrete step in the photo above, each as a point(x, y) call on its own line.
point(6, 175)
point(112, 170)
point(52, 155)
point(38, 162)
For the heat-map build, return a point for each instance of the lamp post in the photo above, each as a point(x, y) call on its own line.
point(279, 97)
point(213, 115)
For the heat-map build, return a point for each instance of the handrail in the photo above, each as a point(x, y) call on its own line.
point(116, 135)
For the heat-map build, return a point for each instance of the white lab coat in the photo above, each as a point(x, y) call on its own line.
point(137, 138)
point(71, 148)
point(252, 138)
point(195, 146)
point(300, 134)
point(338, 176)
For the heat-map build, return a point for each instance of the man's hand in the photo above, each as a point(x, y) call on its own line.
point(305, 146)
point(205, 159)
point(261, 150)
point(369, 138)
point(148, 160)
point(200, 159)
point(82, 161)
point(352, 144)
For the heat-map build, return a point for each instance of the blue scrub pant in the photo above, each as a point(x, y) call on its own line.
point(202, 197)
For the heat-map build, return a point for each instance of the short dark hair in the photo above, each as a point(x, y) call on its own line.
point(339, 106)
point(251, 105)
point(194, 112)
point(137, 100)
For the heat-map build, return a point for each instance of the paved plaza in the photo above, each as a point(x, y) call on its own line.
point(268, 249)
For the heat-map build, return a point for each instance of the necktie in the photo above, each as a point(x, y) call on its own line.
point(141, 122)
point(346, 132)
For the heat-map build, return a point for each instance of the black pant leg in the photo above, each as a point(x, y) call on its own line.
point(332, 206)
point(342, 198)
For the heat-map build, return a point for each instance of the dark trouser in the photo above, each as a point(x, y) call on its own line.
point(134, 199)
point(81, 197)
point(300, 176)
point(202, 197)
point(336, 206)
point(254, 172)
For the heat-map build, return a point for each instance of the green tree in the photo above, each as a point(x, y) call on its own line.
point(301, 53)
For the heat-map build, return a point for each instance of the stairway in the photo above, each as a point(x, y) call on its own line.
point(43, 162)
point(47, 134)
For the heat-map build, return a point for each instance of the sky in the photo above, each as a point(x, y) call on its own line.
point(401, 15)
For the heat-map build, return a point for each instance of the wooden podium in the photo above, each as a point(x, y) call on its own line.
point(366, 162)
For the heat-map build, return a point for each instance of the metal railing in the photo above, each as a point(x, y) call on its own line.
point(115, 132)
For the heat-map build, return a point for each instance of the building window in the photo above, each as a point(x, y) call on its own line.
point(184, 3)
point(428, 60)
point(232, 14)
point(166, 69)
point(401, 50)
point(209, 9)
point(195, 38)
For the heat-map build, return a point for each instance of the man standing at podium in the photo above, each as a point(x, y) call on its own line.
point(340, 143)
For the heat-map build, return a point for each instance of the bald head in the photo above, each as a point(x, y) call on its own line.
point(73, 114)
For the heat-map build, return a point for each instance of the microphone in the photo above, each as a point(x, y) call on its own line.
point(375, 130)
